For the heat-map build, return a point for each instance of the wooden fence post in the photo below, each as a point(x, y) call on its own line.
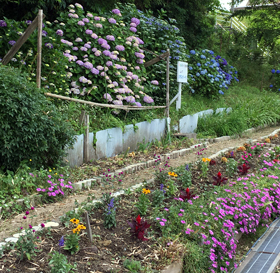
point(86, 140)
point(39, 48)
point(167, 93)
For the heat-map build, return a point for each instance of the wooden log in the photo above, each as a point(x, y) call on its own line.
point(82, 117)
point(20, 41)
point(123, 107)
point(157, 59)
point(39, 48)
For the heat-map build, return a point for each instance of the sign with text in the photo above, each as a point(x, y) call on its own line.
point(182, 72)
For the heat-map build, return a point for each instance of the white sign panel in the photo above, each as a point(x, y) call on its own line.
point(182, 72)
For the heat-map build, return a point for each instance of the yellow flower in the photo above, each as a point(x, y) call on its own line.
point(30, 159)
point(224, 159)
point(75, 230)
point(146, 191)
point(79, 227)
point(267, 140)
point(50, 171)
point(75, 221)
point(173, 174)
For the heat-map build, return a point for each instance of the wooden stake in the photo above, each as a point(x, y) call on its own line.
point(39, 48)
point(82, 117)
point(89, 232)
point(167, 94)
point(86, 140)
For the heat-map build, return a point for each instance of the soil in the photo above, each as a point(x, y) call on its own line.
point(110, 247)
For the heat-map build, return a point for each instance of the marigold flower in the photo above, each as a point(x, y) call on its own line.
point(146, 191)
point(173, 174)
point(224, 159)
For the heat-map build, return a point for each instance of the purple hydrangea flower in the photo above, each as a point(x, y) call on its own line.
point(139, 55)
point(87, 45)
point(130, 99)
point(12, 42)
point(99, 67)
point(86, 20)
point(59, 32)
point(98, 25)
point(118, 102)
point(116, 11)
point(49, 45)
point(75, 48)
point(112, 21)
point(110, 38)
point(148, 99)
point(133, 29)
point(106, 53)
point(102, 41)
point(88, 65)
point(135, 21)
point(89, 15)
point(89, 31)
point(120, 48)
point(79, 6)
point(79, 62)
point(154, 82)
point(94, 36)
point(81, 23)
point(97, 53)
point(94, 71)
point(138, 104)
point(78, 40)
point(106, 46)
point(3, 23)
point(133, 25)
point(108, 97)
point(83, 48)
point(109, 63)
point(96, 18)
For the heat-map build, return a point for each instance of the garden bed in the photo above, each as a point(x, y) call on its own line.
point(111, 247)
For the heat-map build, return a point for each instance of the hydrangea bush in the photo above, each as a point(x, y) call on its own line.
point(54, 64)
point(275, 79)
point(209, 76)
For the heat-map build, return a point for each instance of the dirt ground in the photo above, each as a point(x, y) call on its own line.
point(52, 212)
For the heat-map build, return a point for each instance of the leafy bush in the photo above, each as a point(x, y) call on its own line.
point(209, 75)
point(31, 128)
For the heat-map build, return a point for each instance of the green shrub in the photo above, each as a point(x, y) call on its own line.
point(31, 128)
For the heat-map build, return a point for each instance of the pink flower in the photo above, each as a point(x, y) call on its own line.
point(162, 223)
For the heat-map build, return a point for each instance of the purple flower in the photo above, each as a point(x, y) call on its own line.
point(112, 21)
point(106, 53)
point(44, 33)
point(59, 32)
point(98, 25)
point(61, 242)
point(135, 20)
point(95, 71)
point(86, 20)
point(120, 48)
point(87, 45)
point(106, 46)
point(83, 48)
point(28, 22)
point(96, 18)
point(75, 48)
point(148, 99)
point(101, 41)
point(109, 63)
point(78, 40)
point(89, 31)
point(154, 82)
point(110, 38)
point(88, 65)
point(116, 11)
point(97, 53)
point(89, 15)
point(139, 55)
point(12, 42)
point(3, 23)
point(133, 29)
point(94, 36)
point(49, 45)
point(138, 104)
point(81, 23)
point(79, 62)
point(139, 61)
point(107, 97)
point(133, 25)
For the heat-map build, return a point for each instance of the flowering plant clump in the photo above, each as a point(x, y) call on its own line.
point(243, 169)
point(143, 202)
point(219, 180)
point(186, 194)
point(106, 62)
point(54, 75)
point(56, 186)
point(26, 246)
point(138, 227)
point(275, 80)
point(209, 76)
point(110, 215)
point(72, 240)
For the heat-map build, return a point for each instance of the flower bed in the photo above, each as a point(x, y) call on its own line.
point(185, 213)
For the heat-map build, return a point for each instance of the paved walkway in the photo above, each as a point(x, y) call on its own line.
point(264, 256)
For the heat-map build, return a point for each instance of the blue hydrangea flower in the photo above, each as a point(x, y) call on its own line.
point(198, 64)
point(221, 92)
point(277, 71)
point(197, 74)
point(192, 52)
point(271, 86)
point(273, 71)
point(202, 56)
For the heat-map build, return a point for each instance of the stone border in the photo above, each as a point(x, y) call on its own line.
point(176, 267)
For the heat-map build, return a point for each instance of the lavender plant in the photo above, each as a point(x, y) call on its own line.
point(110, 215)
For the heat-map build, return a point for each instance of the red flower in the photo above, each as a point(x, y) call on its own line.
point(243, 169)
point(186, 194)
point(219, 180)
point(138, 228)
